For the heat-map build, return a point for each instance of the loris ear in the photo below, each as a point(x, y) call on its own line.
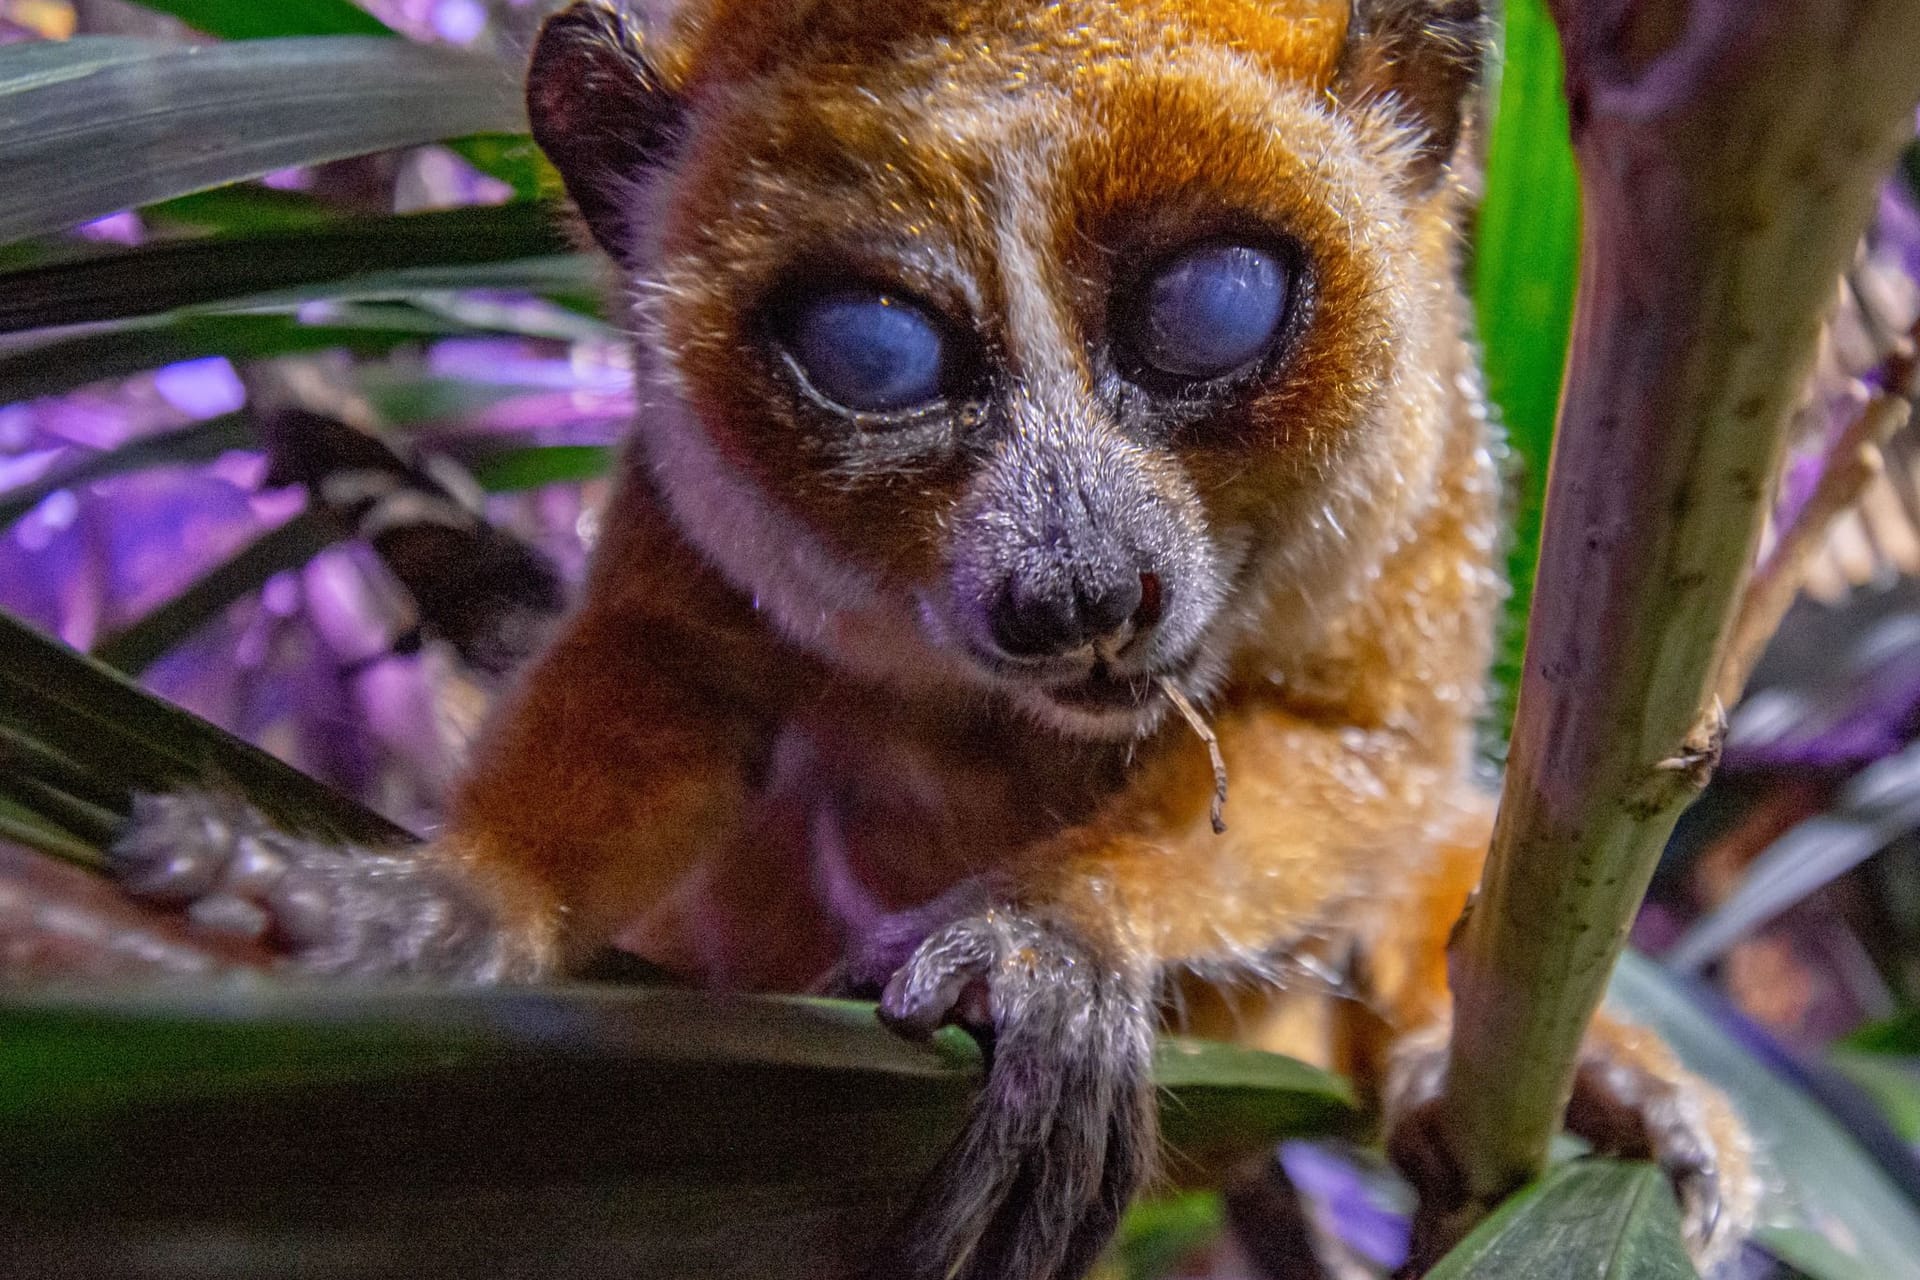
point(1426, 57)
point(601, 113)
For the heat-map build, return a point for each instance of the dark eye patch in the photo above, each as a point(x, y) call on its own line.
point(869, 351)
point(1209, 311)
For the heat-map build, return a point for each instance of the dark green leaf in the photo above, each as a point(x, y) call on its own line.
point(50, 368)
point(122, 739)
point(22, 824)
point(1899, 1034)
point(197, 443)
point(513, 469)
point(513, 159)
point(1818, 1177)
point(1526, 257)
point(95, 125)
point(254, 19)
point(137, 647)
point(239, 209)
point(363, 257)
point(369, 1131)
point(1158, 1235)
point(1592, 1219)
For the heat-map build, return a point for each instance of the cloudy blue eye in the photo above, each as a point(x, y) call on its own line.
point(869, 352)
point(1211, 310)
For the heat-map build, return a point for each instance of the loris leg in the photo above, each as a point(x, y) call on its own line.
point(1631, 1097)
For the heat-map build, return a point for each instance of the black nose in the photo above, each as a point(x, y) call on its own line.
point(1031, 622)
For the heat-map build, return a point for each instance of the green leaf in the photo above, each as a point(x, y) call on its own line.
point(1817, 1176)
point(1597, 1219)
point(197, 443)
point(513, 159)
point(1526, 260)
point(1893, 1083)
point(1899, 1034)
point(1811, 1255)
point(1158, 1235)
point(135, 648)
point(243, 207)
point(510, 470)
point(50, 368)
point(642, 1131)
point(354, 258)
point(94, 125)
point(57, 705)
point(252, 19)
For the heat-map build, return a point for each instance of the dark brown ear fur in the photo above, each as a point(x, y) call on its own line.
point(1424, 55)
point(601, 113)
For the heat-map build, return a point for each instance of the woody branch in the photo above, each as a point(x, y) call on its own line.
point(1729, 152)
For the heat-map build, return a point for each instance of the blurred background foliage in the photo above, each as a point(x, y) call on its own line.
point(306, 405)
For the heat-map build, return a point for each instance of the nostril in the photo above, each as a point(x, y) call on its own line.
point(1106, 608)
point(1030, 624)
point(1147, 613)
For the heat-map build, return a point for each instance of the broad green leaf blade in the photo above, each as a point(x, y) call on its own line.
point(92, 126)
point(1592, 1219)
point(1526, 259)
point(135, 648)
point(1817, 1176)
point(360, 257)
point(367, 1131)
point(197, 443)
point(254, 19)
point(125, 739)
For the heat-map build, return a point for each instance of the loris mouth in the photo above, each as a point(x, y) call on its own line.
point(1102, 689)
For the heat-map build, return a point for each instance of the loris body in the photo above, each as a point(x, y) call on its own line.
point(1005, 366)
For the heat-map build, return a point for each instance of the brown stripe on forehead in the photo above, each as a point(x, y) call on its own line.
point(734, 40)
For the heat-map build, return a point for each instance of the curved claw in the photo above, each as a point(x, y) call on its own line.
point(1065, 1129)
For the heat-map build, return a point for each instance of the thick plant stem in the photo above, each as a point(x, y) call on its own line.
point(1730, 151)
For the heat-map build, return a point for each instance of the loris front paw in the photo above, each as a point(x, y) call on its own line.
point(328, 910)
point(1631, 1099)
point(1065, 1129)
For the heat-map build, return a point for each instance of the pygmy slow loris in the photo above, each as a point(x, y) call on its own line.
point(1005, 366)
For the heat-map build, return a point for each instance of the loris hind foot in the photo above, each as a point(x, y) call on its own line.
point(1631, 1098)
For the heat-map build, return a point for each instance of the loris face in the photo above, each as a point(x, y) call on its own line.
point(1021, 347)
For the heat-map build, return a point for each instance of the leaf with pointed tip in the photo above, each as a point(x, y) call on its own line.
point(95, 125)
point(1525, 262)
point(1599, 1219)
point(74, 725)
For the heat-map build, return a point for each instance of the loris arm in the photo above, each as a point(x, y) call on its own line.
point(1319, 848)
point(606, 783)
